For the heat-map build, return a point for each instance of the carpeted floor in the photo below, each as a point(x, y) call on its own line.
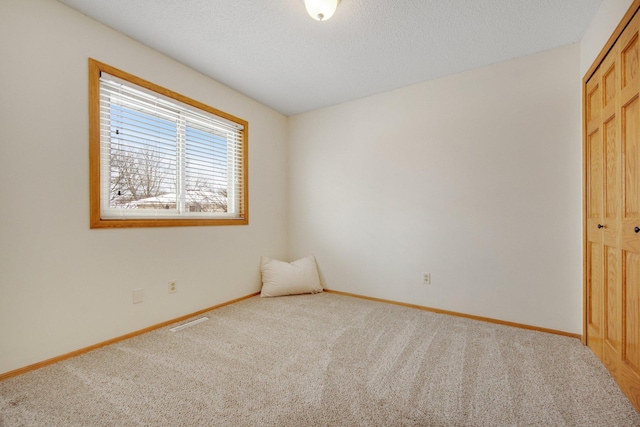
point(324, 360)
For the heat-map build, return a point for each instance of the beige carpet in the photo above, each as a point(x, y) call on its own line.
point(324, 360)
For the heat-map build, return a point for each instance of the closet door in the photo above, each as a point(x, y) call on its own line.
point(612, 215)
point(612, 203)
point(627, 371)
point(594, 251)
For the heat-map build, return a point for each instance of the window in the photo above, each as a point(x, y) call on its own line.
point(160, 159)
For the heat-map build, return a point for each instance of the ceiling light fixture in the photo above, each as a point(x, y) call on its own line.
point(321, 10)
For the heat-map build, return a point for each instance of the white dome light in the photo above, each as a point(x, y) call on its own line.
point(321, 10)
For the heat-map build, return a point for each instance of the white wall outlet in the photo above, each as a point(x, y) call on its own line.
point(426, 278)
point(172, 287)
point(138, 296)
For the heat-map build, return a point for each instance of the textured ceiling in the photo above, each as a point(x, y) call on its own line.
point(272, 51)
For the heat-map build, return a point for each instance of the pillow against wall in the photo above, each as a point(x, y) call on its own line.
point(289, 278)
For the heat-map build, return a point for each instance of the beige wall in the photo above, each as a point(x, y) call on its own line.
point(62, 285)
point(475, 178)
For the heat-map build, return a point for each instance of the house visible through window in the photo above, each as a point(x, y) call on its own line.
point(163, 159)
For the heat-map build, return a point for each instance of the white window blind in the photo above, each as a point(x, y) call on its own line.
point(160, 158)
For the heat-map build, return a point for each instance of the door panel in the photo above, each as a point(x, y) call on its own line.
point(612, 309)
point(612, 159)
point(630, 114)
point(595, 262)
point(631, 354)
point(595, 176)
point(629, 58)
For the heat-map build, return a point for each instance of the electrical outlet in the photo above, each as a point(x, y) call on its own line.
point(426, 278)
point(172, 287)
point(138, 296)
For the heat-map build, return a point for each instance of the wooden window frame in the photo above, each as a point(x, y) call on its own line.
point(95, 219)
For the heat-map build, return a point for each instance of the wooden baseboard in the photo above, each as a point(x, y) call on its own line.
point(75, 353)
point(467, 316)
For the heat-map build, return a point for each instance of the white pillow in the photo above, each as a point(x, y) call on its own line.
point(289, 278)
